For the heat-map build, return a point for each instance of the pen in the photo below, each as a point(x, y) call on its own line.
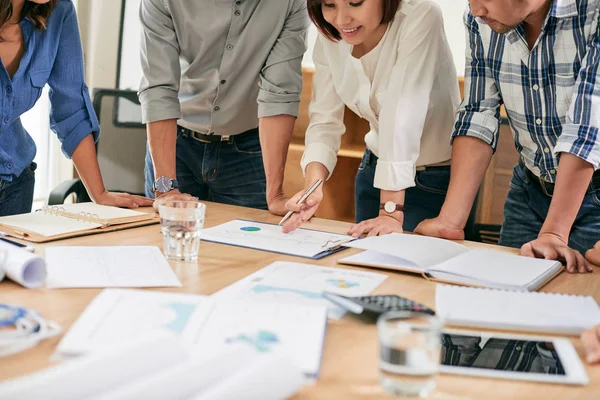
point(308, 192)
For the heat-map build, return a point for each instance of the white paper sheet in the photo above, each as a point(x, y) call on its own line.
point(302, 284)
point(516, 311)
point(297, 330)
point(116, 315)
point(87, 376)
point(23, 267)
point(202, 378)
point(46, 224)
point(417, 251)
point(110, 266)
point(256, 235)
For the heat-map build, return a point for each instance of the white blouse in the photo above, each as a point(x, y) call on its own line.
point(410, 101)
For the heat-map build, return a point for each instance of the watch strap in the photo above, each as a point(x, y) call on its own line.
point(399, 207)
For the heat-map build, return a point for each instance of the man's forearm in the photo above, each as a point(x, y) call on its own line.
point(470, 159)
point(572, 181)
point(162, 136)
point(275, 135)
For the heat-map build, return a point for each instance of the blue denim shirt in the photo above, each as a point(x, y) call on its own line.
point(55, 57)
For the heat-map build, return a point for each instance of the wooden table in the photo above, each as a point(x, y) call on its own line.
point(349, 368)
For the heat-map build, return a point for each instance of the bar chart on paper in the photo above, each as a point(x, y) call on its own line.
point(269, 237)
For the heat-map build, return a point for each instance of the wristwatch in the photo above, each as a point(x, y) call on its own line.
point(391, 207)
point(164, 184)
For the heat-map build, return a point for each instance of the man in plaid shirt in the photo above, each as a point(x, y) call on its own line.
point(539, 58)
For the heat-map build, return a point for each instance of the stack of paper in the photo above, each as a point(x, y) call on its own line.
point(210, 327)
point(532, 312)
point(296, 283)
point(108, 266)
point(161, 368)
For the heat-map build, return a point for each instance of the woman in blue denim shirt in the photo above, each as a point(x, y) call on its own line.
point(39, 45)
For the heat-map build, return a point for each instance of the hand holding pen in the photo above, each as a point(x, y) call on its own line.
point(302, 206)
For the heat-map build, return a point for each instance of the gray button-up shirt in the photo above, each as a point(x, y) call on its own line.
point(219, 65)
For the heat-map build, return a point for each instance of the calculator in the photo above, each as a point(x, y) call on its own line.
point(369, 308)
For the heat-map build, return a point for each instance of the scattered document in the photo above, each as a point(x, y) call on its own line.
point(269, 237)
point(446, 261)
point(531, 312)
point(117, 315)
point(297, 330)
point(298, 283)
point(162, 368)
point(108, 266)
point(22, 266)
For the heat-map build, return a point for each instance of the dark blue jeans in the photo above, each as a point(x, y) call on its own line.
point(16, 196)
point(229, 172)
point(526, 208)
point(421, 202)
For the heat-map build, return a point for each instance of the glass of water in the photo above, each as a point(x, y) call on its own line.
point(181, 223)
point(409, 344)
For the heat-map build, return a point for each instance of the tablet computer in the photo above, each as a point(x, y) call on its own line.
point(508, 356)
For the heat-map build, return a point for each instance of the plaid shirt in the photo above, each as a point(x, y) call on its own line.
point(551, 93)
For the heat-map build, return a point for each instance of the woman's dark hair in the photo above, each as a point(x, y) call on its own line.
point(37, 13)
point(315, 12)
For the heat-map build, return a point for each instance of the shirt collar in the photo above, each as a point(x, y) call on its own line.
point(564, 8)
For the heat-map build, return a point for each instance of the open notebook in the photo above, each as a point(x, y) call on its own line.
point(447, 261)
point(530, 312)
point(68, 220)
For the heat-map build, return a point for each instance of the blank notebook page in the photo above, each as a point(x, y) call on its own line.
point(536, 312)
point(497, 267)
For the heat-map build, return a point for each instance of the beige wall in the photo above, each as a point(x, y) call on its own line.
point(99, 25)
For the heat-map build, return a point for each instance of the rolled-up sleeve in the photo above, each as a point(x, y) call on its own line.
point(72, 116)
point(421, 51)
point(326, 111)
point(580, 131)
point(479, 113)
point(280, 80)
point(159, 88)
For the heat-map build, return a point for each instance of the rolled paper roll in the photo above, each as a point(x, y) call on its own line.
point(23, 267)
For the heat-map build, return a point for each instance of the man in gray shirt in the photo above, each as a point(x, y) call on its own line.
point(216, 73)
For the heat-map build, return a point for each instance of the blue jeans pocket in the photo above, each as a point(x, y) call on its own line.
point(433, 181)
point(519, 178)
point(249, 145)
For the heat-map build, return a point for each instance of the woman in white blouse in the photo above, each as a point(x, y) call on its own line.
point(389, 62)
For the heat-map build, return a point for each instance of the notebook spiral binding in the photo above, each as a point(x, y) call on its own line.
point(81, 217)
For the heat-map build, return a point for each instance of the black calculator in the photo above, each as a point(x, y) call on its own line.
point(370, 308)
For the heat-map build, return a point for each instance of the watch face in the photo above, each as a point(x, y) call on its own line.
point(163, 184)
point(389, 206)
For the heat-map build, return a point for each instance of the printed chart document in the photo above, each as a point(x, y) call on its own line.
point(108, 266)
point(446, 261)
point(531, 312)
point(117, 315)
point(269, 237)
point(298, 283)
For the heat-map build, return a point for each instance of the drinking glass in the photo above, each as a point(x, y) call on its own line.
point(410, 345)
point(181, 223)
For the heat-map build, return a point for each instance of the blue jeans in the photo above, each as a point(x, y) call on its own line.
point(526, 208)
point(16, 196)
point(421, 202)
point(229, 172)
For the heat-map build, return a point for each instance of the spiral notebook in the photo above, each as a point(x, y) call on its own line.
point(69, 220)
point(516, 311)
